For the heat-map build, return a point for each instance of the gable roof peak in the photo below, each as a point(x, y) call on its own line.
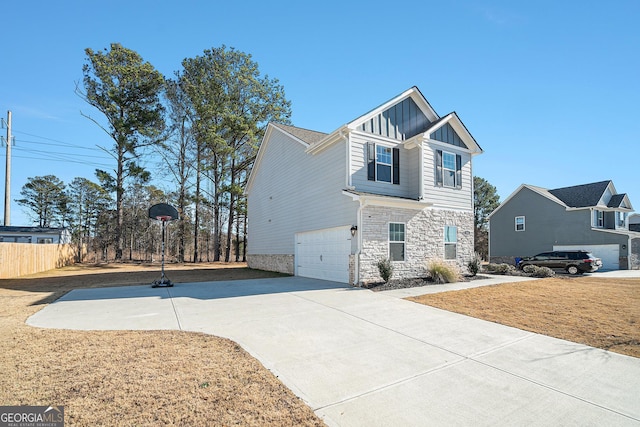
point(307, 136)
point(583, 195)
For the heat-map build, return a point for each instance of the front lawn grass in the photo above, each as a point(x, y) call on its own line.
point(142, 378)
point(603, 313)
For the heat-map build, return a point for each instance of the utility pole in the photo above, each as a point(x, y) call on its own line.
point(7, 179)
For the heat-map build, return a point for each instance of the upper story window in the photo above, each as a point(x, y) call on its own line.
point(448, 169)
point(396, 241)
point(520, 223)
point(621, 220)
point(598, 218)
point(383, 163)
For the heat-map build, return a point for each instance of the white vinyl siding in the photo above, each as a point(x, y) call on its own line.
point(294, 193)
point(447, 197)
point(409, 186)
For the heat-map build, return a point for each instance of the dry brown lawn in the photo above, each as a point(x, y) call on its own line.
point(603, 313)
point(145, 378)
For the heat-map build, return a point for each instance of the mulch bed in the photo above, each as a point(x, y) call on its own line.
point(412, 283)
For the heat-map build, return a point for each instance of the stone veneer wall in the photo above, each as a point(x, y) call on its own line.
point(424, 239)
point(279, 263)
point(634, 254)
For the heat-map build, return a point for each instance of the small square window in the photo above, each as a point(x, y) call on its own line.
point(520, 223)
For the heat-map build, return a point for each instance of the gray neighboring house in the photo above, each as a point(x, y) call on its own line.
point(394, 183)
point(591, 217)
point(27, 234)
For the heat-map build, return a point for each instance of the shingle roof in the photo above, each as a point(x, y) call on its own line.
point(306, 135)
point(28, 229)
point(581, 196)
point(616, 200)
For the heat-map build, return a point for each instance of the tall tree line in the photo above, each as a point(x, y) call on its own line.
point(205, 123)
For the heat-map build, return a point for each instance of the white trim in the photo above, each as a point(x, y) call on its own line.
point(404, 242)
point(392, 202)
point(412, 93)
point(455, 184)
point(515, 220)
point(263, 146)
point(445, 243)
point(375, 147)
point(457, 125)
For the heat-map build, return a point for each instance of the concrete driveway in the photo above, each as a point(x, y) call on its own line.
point(360, 358)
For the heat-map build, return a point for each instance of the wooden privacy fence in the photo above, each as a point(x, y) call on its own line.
point(19, 259)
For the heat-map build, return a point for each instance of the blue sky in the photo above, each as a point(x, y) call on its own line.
point(549, 89)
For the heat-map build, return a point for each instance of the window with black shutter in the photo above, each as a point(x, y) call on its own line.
point(448, 169)
point(383, 163)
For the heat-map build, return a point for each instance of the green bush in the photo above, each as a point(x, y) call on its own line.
point(441, 272)
point(385, 268)
point(474, 264)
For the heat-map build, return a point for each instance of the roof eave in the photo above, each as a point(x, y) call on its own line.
point(329, 140)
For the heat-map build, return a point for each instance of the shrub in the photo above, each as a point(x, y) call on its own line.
point(442, 273)
point(537, 271)
point(474, 264)
point(385, 268)
point(501, 268)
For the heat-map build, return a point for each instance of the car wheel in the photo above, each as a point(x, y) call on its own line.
point(572, 269)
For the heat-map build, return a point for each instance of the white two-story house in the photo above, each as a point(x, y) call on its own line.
point(394, 183)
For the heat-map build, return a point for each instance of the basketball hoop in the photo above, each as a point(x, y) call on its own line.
point(164, 213)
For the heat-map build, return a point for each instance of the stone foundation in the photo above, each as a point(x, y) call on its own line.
point(279, 263)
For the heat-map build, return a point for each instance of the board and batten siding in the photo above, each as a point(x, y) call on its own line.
point(409, 186)
point(446, 197)
point(294, 192)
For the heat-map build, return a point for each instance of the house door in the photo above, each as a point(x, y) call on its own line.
point(323, 254)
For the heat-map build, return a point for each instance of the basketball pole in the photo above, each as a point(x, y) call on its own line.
point(163, 282)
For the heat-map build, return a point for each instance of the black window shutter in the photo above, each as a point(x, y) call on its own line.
point(439, 168)
point(458, 171)
point(396, 166)
point(371, 161)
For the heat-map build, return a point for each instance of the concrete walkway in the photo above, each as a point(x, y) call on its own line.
point(360, 358)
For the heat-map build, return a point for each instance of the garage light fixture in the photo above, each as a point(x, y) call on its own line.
point(354, 228)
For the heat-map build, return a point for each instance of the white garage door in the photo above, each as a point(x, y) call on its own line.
point(609, 254)
point(324, 254)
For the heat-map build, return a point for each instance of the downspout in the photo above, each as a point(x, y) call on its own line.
point(359, 242)
point(421, 174)
point(347, 137)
